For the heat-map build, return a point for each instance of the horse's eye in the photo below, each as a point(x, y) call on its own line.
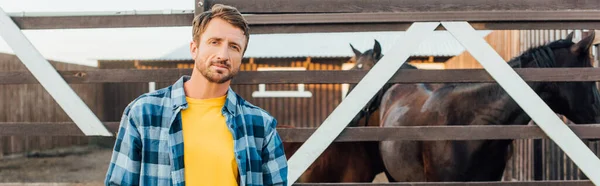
point(359, 65)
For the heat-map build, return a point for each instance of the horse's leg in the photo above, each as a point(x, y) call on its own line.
point(355, 163)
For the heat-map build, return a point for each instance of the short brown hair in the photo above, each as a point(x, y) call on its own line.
point(227, 13)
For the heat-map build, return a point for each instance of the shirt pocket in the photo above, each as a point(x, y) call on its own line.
point(155, 145)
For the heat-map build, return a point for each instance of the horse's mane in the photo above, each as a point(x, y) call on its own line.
point(542, 55)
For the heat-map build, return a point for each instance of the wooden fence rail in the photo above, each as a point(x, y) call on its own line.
point(361, 6)
point(335, 22)
point(310, 77)
point(524, 183)
point(422, 133)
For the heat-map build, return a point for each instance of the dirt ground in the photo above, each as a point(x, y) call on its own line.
point(74, 165)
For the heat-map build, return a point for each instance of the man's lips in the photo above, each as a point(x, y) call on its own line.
point(220, 66)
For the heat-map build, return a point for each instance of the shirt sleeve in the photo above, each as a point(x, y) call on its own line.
point(124, 167)
point(274, 162)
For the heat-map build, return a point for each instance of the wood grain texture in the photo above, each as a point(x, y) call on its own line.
point(310, 77)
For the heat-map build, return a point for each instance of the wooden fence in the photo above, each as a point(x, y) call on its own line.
point(32, 103)
point(341, 16)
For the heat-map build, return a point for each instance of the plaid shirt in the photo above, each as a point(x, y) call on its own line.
point(149, 145)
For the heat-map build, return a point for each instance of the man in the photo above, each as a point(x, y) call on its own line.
point(198, 131)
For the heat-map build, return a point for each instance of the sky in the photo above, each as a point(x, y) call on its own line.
point(83, 46)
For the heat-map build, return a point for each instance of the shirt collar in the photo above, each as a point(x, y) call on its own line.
point(178, 96)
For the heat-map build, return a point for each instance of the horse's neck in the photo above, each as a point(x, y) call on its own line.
point(489, 103)
point(500, 106)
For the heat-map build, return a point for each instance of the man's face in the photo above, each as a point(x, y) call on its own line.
point(218, 53)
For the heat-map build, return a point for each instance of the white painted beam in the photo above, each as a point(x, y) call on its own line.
point(281, 94)
point(374, 80)
point(49, 78)
point(531, 103)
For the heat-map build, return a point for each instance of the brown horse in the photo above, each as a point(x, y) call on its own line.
point(340, 162)
point(348, 161)
point(478, 104)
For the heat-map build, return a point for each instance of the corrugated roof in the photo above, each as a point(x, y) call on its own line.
point(440, 43)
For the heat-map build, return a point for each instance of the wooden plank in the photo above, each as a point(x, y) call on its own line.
point(396, 17)
point(421, 133)
point(524, 183)
point(340, 6)
point(338, 22)
point(47, 128)
point(106, 21)
point(51, 184)
point(310, 77)
point(401, 26)
point(538, 160)
point(435, 133)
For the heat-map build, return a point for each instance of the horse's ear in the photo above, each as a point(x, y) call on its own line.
point(377, 50)
point(356, 52)
point(570, 36)
point(582, 47)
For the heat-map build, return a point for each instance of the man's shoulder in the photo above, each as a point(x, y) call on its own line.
point(254, 111)
point(150, 101)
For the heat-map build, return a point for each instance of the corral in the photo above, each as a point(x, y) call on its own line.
point(524, 24)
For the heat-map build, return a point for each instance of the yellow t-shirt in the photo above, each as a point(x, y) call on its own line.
point(207, 144)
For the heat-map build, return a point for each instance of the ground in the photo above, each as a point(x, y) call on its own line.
point(73, 165)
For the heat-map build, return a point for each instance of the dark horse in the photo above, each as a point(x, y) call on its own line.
point(341, 162)
point(347, 161)
point(476, 104)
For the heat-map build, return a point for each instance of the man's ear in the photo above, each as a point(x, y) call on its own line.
point(193, 49)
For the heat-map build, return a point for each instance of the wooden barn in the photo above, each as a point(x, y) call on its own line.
point(32, 103)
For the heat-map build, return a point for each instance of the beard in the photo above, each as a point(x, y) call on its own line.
point(218, 76)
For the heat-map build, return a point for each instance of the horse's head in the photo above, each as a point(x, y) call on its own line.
point(578, 101)
point(366, 60)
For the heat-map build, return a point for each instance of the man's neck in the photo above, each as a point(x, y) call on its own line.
point(198, 87)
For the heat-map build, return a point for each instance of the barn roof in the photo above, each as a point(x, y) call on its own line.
point(326, 45)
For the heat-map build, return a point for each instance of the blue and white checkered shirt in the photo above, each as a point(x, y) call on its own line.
point(149, 145)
